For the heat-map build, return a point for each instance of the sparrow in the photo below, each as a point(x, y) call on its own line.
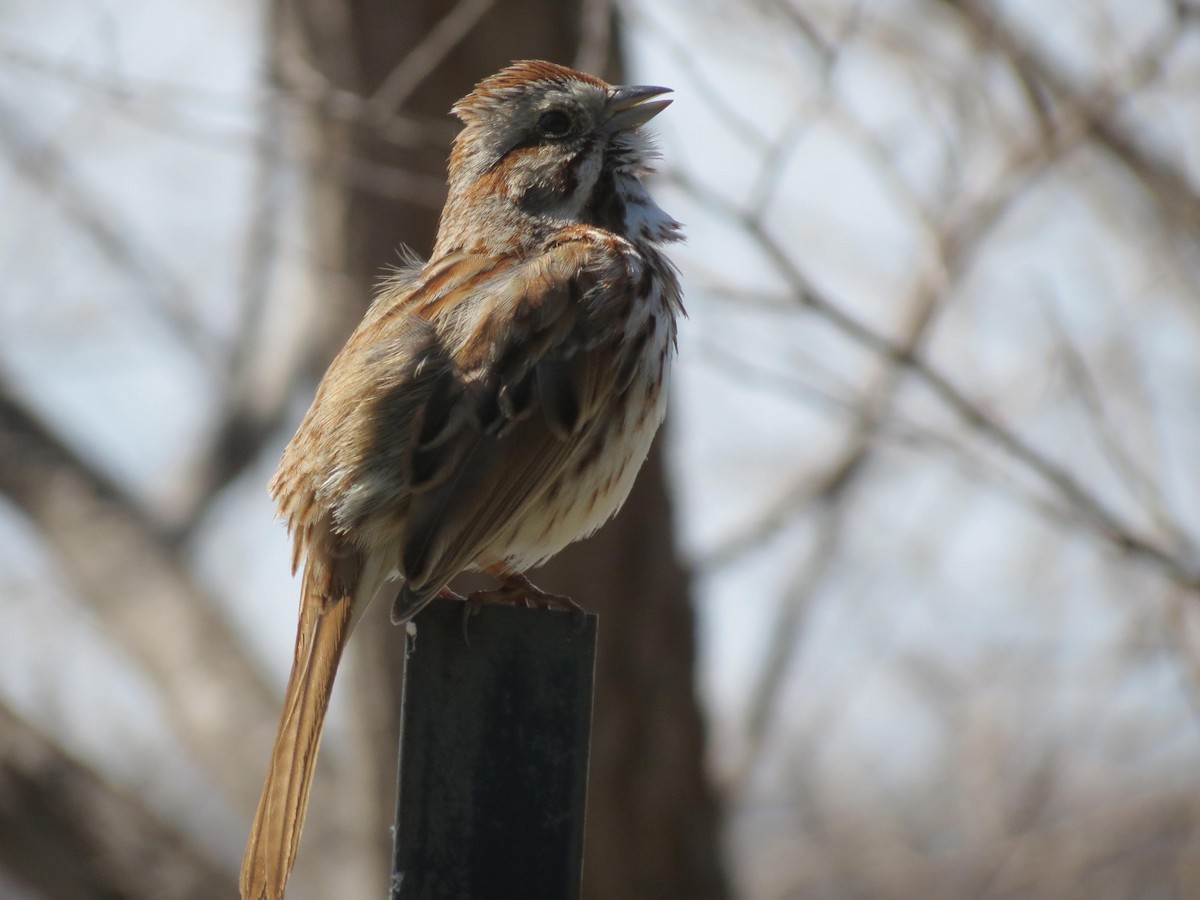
point(494, 404)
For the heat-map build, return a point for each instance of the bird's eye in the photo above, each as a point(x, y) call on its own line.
point(554, 124)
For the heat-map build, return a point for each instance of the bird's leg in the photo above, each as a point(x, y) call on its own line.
point(402, 613)
point(447, 594)
point(517, 590)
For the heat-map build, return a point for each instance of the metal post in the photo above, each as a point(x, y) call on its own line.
point(493, 754)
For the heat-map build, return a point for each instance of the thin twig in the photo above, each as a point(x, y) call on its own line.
point(48, 169)
point(1092, 511)
point(1164, 179)
point(786, 631)
point(1141, 485)
point(700, 83)
point(426, 56)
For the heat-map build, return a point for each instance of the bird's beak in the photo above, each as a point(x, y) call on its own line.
point(627, 108)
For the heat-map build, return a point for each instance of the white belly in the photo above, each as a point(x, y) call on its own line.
point(579, 502)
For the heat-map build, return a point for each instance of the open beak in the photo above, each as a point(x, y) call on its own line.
point(627, 107)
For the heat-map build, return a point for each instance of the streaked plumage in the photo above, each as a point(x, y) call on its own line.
point(494, 405)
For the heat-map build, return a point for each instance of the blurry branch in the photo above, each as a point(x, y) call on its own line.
point(785, 641)
point(828, 498)
point(1077, 851)
point(1181, 634)
point(249, 417)
point(143, 594)
point(184, 111)
point(826, 494)
point(870, 411)
point(825, 50)
point(967, 457)
point(301, 87)
point(250, 414)
point(1029, 830)
point(775, 157)
point(700, 82)
point(1009, 816)
point(1089, 507)
point(1014, 819)
point(829, 395)
point(420, 62)
point(1087, 390)
point(955, 241)
point(332, 104)
point(260, 252)
point(70, 835)
point(148, 96)
point(46, 167)
point(596, 36)
point(1097, 111)
point(387, 181)
point(841, 401)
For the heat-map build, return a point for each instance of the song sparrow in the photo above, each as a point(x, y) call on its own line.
point(493, 406)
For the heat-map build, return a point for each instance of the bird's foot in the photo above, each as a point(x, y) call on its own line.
point(517, 590)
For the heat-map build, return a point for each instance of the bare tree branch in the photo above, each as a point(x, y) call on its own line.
point(67, 833)
point(1093, 512)
point(419, 63)
point(48, 169)
point(145, 596)
point(1098, 110)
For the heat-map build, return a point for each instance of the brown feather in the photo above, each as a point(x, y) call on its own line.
point(327, 613)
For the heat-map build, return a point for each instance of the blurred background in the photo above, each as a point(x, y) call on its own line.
point(905, 602)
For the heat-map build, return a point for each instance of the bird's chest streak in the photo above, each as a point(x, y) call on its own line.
point(593, 485)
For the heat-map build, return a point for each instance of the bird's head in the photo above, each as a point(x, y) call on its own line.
point(545, 146)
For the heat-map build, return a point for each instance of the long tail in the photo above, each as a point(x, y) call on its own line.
point(321, 636)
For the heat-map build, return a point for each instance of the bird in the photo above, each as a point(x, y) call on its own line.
point(494, 404)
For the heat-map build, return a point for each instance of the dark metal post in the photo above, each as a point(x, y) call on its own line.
point(494, 732)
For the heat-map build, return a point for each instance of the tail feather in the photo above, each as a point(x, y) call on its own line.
point(324, 628)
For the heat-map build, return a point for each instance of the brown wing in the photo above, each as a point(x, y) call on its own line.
point(456, 403)
point(533, 367)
